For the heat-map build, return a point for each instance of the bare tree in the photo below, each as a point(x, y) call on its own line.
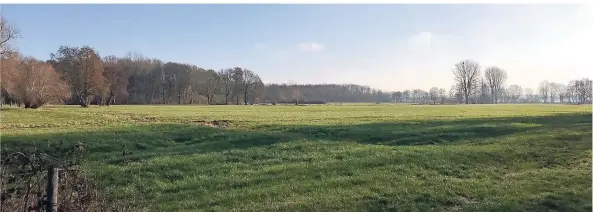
point(227, 83)
point(529, 94)
point(295, 91)
point(443, 95)
point(434, 94)
point(212, 86)
point(515, 92)
point(9, 65)
point(82, 69)
point(249, 80)
point(562, 92)
point(544, 89)
point(34, 83)
point(116, 79)
point(556, 90)
point(406, 95)
point(582, 89)
point(238, 83)
point(467, 73)
point(7, 34)
point(257, 91)
point(495, 77)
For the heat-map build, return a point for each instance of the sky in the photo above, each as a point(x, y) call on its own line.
point(389, 47)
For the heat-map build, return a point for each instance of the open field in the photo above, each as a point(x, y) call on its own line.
point(327, 157)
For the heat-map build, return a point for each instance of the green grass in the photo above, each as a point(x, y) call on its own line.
point(328, 157)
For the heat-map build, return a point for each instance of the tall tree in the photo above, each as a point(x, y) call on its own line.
point(249, 80)
point(7, 34)
point(258, 91)
point(562, 92)
point(227, 83)
point(9, 65)
point(582, 90)
point(467, 73)
point(406, 95)
point(82, 70)
point(34, 83)
point(515, 92)
point(116, 79)
point(434, 94)
point(212, 86)
point(443, 95)
point(296, 92)
point(529, 95)
point(238, 82)
point(544, 90)
point(495, 77)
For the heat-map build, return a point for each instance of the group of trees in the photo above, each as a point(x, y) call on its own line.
point(132, 79)
point(79, 75)
point(489, 89)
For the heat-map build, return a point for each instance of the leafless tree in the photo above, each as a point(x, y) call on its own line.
point(257, 91)
point(238, 83)
point(295, 91)
point(7, 34)
point(443, 95)
point(227, 83)
point(582, 89)
point(495, 77)
point(434, 94)
point(83, 71)
point(556, 90)
point(544, 90)
point(529, 94)
point(34, 83)
point(562, 92)
point(116, 79)
point(467, 73)
point(515, 92)
point(406, 95)
point(212, 86)
point(249, 80)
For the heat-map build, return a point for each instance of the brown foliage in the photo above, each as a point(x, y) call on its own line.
point(32, 82)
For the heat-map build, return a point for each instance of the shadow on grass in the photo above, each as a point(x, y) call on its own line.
point(144, 141)
point(122, 145)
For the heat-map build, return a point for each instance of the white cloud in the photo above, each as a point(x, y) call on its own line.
point(311, 47)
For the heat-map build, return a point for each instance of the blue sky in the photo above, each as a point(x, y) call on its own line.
point(391, 47)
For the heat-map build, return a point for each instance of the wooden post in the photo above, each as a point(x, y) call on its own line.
point(52, 189)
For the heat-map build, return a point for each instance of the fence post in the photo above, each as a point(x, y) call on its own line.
point(52, 189)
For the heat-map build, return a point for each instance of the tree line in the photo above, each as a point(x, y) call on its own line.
point(80, 75)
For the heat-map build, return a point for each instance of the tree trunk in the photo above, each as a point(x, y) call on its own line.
point(84, 101)
point(179, 97)
point(109, 100)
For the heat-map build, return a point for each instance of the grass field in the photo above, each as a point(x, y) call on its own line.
point(328, 157)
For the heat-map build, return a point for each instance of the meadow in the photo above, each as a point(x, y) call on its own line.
point(350, 157)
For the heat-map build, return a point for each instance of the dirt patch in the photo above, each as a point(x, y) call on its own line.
point(144, 118)
point(467, 200)
point(215, 123)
